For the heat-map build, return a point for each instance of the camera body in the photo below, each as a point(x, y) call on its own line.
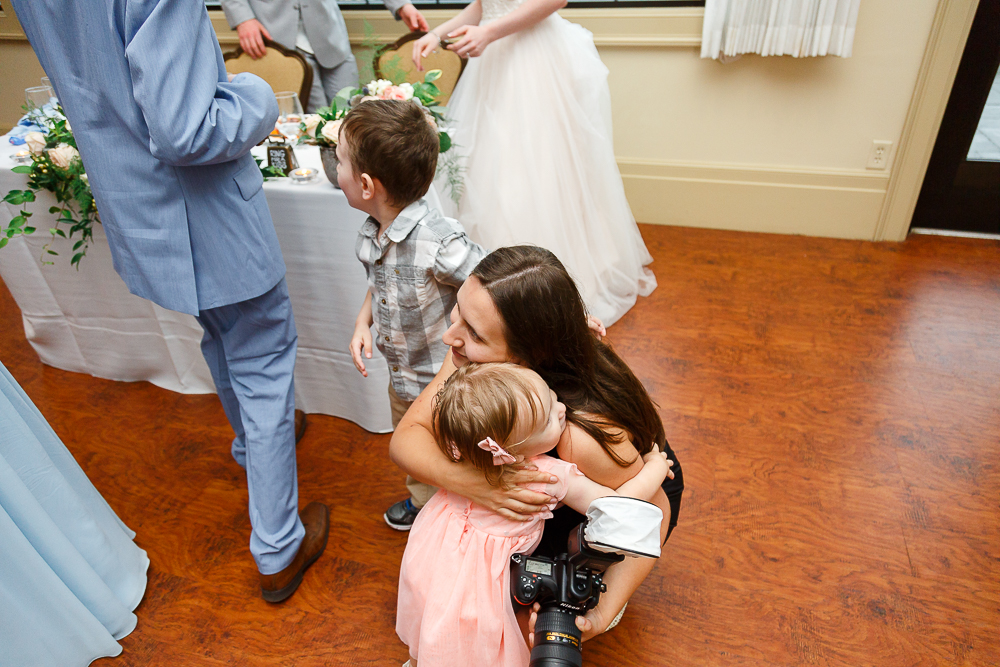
point(565, 587)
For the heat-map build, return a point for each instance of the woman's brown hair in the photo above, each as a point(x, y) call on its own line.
point(545, 327)
point(480, 400)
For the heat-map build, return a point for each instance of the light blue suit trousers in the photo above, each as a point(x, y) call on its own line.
point(165, 137)
point(250, 349)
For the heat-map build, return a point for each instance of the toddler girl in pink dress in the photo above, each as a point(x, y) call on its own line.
point(454, 606)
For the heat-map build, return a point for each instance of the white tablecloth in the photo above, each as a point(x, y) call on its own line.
point(86, 321)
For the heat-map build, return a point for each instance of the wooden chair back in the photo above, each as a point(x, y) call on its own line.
point(395, 62)
point(283, 69)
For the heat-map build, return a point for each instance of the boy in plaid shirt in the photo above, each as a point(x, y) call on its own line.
point(415, 258)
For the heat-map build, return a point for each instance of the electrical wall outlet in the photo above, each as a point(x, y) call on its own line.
point(878, 158)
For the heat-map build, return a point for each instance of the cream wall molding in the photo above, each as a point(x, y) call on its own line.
point(837, 203)
point(623, 27)
point(950, 31)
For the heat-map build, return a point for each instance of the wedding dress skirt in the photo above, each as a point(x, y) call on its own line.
point(531, 120)
point(70, 574)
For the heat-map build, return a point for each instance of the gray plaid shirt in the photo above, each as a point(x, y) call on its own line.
point(414, 272)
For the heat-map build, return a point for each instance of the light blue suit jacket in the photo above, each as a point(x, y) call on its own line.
point(165, 139)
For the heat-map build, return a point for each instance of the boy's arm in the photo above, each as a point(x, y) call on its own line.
point(456, 258)
point(581, 490)
point(361, 341)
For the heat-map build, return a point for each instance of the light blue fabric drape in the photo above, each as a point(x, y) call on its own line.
point(70, 574)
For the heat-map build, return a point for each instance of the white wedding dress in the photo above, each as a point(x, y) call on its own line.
point(531, 118)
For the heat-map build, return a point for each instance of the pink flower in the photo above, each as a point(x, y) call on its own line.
point(393, 93)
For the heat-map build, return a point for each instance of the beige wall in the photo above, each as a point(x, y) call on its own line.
point(762, 144)
point(19, 69)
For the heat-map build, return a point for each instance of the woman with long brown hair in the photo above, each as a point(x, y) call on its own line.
point(520, 305)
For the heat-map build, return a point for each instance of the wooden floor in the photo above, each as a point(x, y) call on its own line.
point(836, 408)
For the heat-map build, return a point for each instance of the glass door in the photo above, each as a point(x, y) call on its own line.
point(961, 190)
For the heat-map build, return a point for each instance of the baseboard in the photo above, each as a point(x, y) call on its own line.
point(784, 200)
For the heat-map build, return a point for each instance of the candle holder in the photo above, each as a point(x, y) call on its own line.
point(21, 157)
point(304, 175)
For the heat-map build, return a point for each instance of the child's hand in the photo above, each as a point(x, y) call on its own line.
point(660, 463)
point(596, 327)
point(361, 344)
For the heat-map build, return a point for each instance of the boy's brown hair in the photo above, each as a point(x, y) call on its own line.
point(394, 142)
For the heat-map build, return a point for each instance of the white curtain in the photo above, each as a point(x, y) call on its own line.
point(796, 28)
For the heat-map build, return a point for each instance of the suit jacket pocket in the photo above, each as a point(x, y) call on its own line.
point(249, 180)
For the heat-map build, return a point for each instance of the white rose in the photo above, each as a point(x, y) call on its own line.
point(35, 142)
point(407, 90)
point(311, 121)
point(63, 155)
point(376, 88)
point(68, 128)
point(331, 131)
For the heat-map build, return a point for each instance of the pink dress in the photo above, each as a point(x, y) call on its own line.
point(454, 607)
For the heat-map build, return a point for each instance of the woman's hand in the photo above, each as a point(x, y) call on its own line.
point(586, 624)
point(423, 47)
point(516, 503)
point(474, 40)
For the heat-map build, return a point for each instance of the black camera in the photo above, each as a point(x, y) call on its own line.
point(565, 587)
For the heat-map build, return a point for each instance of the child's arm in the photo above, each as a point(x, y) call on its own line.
point(361, 341)
point(581, 490)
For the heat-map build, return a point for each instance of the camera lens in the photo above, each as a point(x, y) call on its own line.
point(557, 640)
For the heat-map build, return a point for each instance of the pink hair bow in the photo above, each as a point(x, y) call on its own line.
point(500, 455)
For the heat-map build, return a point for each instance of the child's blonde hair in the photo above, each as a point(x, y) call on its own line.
point(481, 400)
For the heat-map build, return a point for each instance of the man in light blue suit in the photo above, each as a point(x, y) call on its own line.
point(165, 138)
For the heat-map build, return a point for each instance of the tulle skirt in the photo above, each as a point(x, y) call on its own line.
point(531, 120)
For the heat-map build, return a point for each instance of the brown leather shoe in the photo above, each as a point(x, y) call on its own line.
point(300, 425)
point(280, 586)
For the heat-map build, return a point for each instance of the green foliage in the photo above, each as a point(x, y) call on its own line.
point(449, 169)
point(392, 69)
point(76, 212)
point(366, 54)
point(268, 171)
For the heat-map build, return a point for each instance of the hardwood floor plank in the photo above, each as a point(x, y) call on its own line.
point(835, 406)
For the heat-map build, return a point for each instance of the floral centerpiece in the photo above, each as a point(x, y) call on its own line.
point(56, 167)
point(323, 127)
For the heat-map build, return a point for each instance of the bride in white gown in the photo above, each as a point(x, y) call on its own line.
point(532, 120)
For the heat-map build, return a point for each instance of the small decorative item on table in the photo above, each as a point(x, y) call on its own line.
point(323, 127)
point(22, 156)
point(281, 157)
point(304, 175)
